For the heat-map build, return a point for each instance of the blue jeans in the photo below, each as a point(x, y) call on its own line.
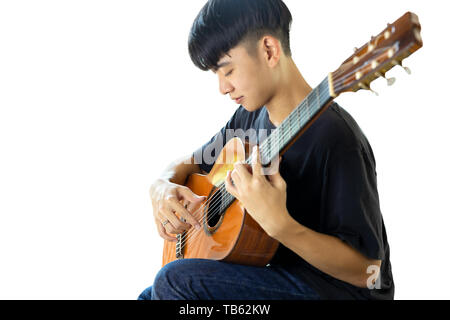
point(201, 279)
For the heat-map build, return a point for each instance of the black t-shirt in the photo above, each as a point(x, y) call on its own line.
point(331, 181)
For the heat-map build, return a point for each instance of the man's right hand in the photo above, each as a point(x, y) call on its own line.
point(168, 198)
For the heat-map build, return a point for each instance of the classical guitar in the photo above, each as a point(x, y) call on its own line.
point(228, 232)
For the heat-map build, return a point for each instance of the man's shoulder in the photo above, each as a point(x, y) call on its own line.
point(244, 119)
point(336, 128)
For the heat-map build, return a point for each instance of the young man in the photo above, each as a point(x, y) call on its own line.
point(321, 205)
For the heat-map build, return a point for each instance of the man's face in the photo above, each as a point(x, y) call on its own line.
point(242, 75)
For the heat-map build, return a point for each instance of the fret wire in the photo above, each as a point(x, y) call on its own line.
point(297, 119)
point(318, 97)
point(282, 135)
point(276, 142)
point(309, 108)
point(290, 127)
point(311, 102)
point(270, 145)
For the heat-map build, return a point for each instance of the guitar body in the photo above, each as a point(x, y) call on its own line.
point(232, 236)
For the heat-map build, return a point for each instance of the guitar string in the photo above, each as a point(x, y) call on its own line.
point(215, 202)
point(227, 196)
point(339, 72)
point(377, 39)
point(337, 85)
point(189, 235)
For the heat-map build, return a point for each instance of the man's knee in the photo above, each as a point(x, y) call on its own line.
point(172, 282)
point(146, 294)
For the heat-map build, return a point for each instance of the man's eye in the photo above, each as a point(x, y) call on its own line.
point(229, 73)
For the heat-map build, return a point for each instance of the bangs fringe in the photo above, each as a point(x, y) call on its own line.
point(223, 24)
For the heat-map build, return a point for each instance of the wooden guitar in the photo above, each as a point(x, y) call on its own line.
point(228, 232)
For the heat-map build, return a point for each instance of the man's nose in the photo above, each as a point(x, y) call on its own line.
point(225, 86)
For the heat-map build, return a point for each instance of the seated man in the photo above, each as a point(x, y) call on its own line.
point(322, 202)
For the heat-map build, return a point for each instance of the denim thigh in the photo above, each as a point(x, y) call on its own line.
point(202, 279)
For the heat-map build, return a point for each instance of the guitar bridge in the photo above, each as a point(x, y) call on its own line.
point(179, 248)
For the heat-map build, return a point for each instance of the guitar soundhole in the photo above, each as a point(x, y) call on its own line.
point(213, 220)
point(214, 211)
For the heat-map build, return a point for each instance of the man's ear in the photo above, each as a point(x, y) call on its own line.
point(272, 50)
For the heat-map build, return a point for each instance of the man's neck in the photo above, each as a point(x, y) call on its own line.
point(292, 90)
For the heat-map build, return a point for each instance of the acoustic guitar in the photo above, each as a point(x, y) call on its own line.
point(228, 232)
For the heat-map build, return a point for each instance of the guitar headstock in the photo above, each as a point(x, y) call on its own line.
point(383, 52)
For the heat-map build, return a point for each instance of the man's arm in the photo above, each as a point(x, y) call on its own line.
point(178, 170)
point(264, 198)
point(167, 192)
point(327, 253)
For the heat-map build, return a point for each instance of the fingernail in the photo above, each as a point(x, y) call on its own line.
point(198, 227)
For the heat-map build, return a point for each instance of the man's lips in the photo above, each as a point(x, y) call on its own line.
point(238, 100)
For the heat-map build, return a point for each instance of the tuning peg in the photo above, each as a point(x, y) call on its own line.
point(366, 87)
point(390, 81)
point(387, 33)
point(408, 70)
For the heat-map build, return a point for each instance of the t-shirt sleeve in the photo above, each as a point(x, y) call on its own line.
point(351, 202)
point(206, 155)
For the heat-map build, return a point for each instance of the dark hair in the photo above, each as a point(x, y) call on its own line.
point(223, 24)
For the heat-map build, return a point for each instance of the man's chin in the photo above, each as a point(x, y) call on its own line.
point(250, 108)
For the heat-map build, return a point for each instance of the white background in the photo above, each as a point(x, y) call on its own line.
point(97, 97)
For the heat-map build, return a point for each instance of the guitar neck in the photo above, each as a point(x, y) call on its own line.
point(384, 51)
point(296, 123)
